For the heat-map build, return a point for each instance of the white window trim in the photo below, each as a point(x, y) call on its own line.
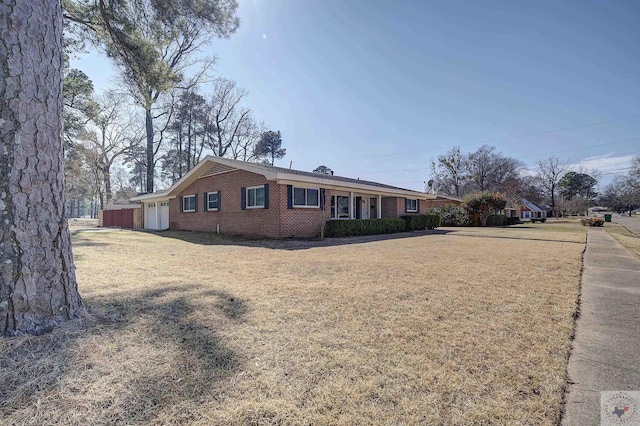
point(304, 206)
point(183, 198)
point(209, 209)
point(413, 210)
point(334, 209)
point(246, 204)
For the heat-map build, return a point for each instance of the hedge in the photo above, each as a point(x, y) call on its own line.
point(497, 220)
point(414, 221)
point(432, 221)
point(351, 228)
point(421, 221)
point(513, 220)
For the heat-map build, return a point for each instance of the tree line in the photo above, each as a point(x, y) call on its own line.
point(168, 111)
point(552, 182)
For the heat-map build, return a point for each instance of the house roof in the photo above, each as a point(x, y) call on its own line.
point(212, 165)
point(531, 206)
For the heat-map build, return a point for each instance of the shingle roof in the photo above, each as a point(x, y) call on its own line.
point(324, 176)
point(528, 204)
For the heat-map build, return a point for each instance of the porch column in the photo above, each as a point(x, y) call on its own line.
point(351, 206)
point(379, 206)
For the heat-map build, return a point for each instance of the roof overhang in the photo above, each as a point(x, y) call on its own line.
point(211, 166)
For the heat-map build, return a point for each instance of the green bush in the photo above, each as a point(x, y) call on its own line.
point(414, 221)
point(432, 221)
point(496, 220)
point(451, 215)
point(513, 220)
point(351, 228)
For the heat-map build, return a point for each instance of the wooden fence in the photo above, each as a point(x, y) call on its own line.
point(125, 218)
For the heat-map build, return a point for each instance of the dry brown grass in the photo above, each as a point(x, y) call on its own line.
point(624, 236)
point(458, 326)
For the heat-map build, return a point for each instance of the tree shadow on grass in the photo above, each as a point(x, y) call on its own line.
point(139, 355)
point(209, 238)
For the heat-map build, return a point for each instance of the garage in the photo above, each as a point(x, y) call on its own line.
point(156, 215)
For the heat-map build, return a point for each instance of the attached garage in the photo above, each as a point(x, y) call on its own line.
point(156, 215)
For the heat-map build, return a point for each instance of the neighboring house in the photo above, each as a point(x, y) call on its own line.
point(529, 210)
point(235, 197)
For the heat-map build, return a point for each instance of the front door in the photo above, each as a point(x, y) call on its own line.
point(358, 208)
point(373, 208)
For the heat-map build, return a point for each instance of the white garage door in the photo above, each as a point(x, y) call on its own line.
point(164, 215)
point(150, 216)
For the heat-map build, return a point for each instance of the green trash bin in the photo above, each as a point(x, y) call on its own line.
point(607, 217)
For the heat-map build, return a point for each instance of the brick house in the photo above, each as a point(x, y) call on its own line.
point(239, 198)
point(531, 211)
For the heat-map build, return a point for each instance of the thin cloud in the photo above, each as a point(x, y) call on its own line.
point(604, 163)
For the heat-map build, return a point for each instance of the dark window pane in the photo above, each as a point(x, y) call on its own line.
point(251, 197)
point(343, 207)
point(298, 197)
point(312, 197)
point(259, 197)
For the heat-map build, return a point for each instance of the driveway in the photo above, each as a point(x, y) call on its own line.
point(631, 223)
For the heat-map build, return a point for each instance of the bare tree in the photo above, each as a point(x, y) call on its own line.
point(38, 288)
point(449, 173)
point(228, 117)
point(243, 146)
point(550, 171)
point(489, 170)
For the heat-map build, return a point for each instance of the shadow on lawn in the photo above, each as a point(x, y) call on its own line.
point(208, 238)
point(178, 358)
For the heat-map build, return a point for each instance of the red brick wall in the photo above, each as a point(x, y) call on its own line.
point(390, 207)
point(302, 222)
point(275, 222)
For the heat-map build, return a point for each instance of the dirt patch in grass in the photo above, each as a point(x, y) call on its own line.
point(461, 326)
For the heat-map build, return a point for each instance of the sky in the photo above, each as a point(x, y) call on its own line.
point(377, 90)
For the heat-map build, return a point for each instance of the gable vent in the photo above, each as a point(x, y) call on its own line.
point(216, 169)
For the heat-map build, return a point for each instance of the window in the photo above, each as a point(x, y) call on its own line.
point(339, 207)
point(152, 204)
point(412, 205)
point(189, 203)
point(213, 201)
point(255, 197)
point(306, 197)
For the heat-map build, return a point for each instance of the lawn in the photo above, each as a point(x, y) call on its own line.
point(624, 237)
point(455, 326)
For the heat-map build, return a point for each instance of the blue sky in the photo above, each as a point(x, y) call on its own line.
point(377, 90)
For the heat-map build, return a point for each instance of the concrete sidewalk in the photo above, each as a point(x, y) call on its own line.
point(606, 349)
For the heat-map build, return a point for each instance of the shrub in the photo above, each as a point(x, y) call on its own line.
point(484, 204)
point(513, 220)
point(496, 220)
point(414, 221)
point(432, 221)
point(592, 221)
point(451, 215)
point(351, 228)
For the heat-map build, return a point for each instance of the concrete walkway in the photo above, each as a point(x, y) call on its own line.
point(606, 349)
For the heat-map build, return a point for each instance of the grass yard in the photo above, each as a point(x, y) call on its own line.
point(456, 326)
point(624, 237)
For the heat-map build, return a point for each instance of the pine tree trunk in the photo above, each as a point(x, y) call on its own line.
point(149, 150)
point(38, 287)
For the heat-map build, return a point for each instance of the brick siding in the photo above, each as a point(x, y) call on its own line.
point(275, 222)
